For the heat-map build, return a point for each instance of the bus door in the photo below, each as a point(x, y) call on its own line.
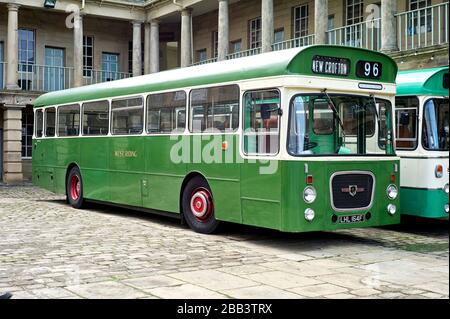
point(260, 172)
point(126, 151)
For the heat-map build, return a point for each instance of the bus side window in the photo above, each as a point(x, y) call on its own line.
point(406, 122)
point(50, 120)
point(95, 118)
point(261, 122)
point(69, 120)
point(39, 123)
point(127, 116)
point(166, 112)
point(214, 109)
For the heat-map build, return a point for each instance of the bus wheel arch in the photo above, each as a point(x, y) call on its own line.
point(74, 186)
point(197, 204)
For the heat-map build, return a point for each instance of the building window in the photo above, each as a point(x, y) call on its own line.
point(353, 11)
point(255, 33)
point(215, 43)
point(421, 19)
point(88, 56)
point(236, 46)
point(201, 55)
point(27, 133)
point(27, 54)
point(278, 36)
point(353, 15)
point(110, 67)
point(330, 23)
point(301, 21)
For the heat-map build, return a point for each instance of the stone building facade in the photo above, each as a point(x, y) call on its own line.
point(48, 45)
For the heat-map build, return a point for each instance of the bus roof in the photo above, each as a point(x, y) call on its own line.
point(423, 82)
point(286, 62)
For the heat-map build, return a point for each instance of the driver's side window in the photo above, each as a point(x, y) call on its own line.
point(262, 122)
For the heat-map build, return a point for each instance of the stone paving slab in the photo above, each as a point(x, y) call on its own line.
point(50, 250)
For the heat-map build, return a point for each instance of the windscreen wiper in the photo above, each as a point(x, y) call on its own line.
point(333, 107)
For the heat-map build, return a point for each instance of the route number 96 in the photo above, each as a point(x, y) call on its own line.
point(368, 69)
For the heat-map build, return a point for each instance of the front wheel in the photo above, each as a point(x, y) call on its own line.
point(198, 206)
point(75, 188)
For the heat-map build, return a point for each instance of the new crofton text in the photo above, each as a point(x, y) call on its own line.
point(330, 67)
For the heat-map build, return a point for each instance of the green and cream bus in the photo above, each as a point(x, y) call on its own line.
point(422, 126)
point(296, 140)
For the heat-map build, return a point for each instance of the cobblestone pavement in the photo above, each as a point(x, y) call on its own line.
point(49, 250)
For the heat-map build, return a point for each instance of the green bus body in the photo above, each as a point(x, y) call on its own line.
point(137, 171)
point(422, 194)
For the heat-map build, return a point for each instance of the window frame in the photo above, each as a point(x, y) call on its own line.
point(291, 100)
point(257, 32)
point(424, 103)
point(25, 68)
point(111, 121)
point(278, 90)
point(417, 122)
point(88, 70)
point(36, 122)
point(298, 33)
point(147, 108)
point(58, 109)
point(26, 124)
point(189, 110)
point(45, 121)
point(82, 118)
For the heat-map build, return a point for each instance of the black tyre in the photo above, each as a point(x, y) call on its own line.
point(74, 186)
point(198, 206)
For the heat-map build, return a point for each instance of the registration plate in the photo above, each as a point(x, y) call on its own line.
point(351, 219)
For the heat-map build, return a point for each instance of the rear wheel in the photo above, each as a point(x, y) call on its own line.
point(75, 188)
point(198, 206)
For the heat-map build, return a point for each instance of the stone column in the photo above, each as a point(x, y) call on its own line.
point(12, 47)
point(186, 37)
point(223, 37)
point(137, 48)
point(12, 144)
point(78, 50)
point(320, 21)
point(154, 46)
point(267, 25)
point(388, 26)
point(147, 43)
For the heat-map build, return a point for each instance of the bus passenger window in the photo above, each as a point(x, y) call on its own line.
point(39, 123)
point(50, 120)
point(166, 112)
point(261, 122)
point(96, 118)
point(127, 116)
point(214, 109)
point(406, 122)
point(69, 120)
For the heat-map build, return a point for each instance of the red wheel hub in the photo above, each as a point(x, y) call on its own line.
point(201, 204)
point(75, 187)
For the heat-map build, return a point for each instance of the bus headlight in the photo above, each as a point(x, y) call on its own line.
point(391, 209)
point(446, 208)
point(392, 191)
point(309, 214)
point(446, 188)
point(309, 194)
